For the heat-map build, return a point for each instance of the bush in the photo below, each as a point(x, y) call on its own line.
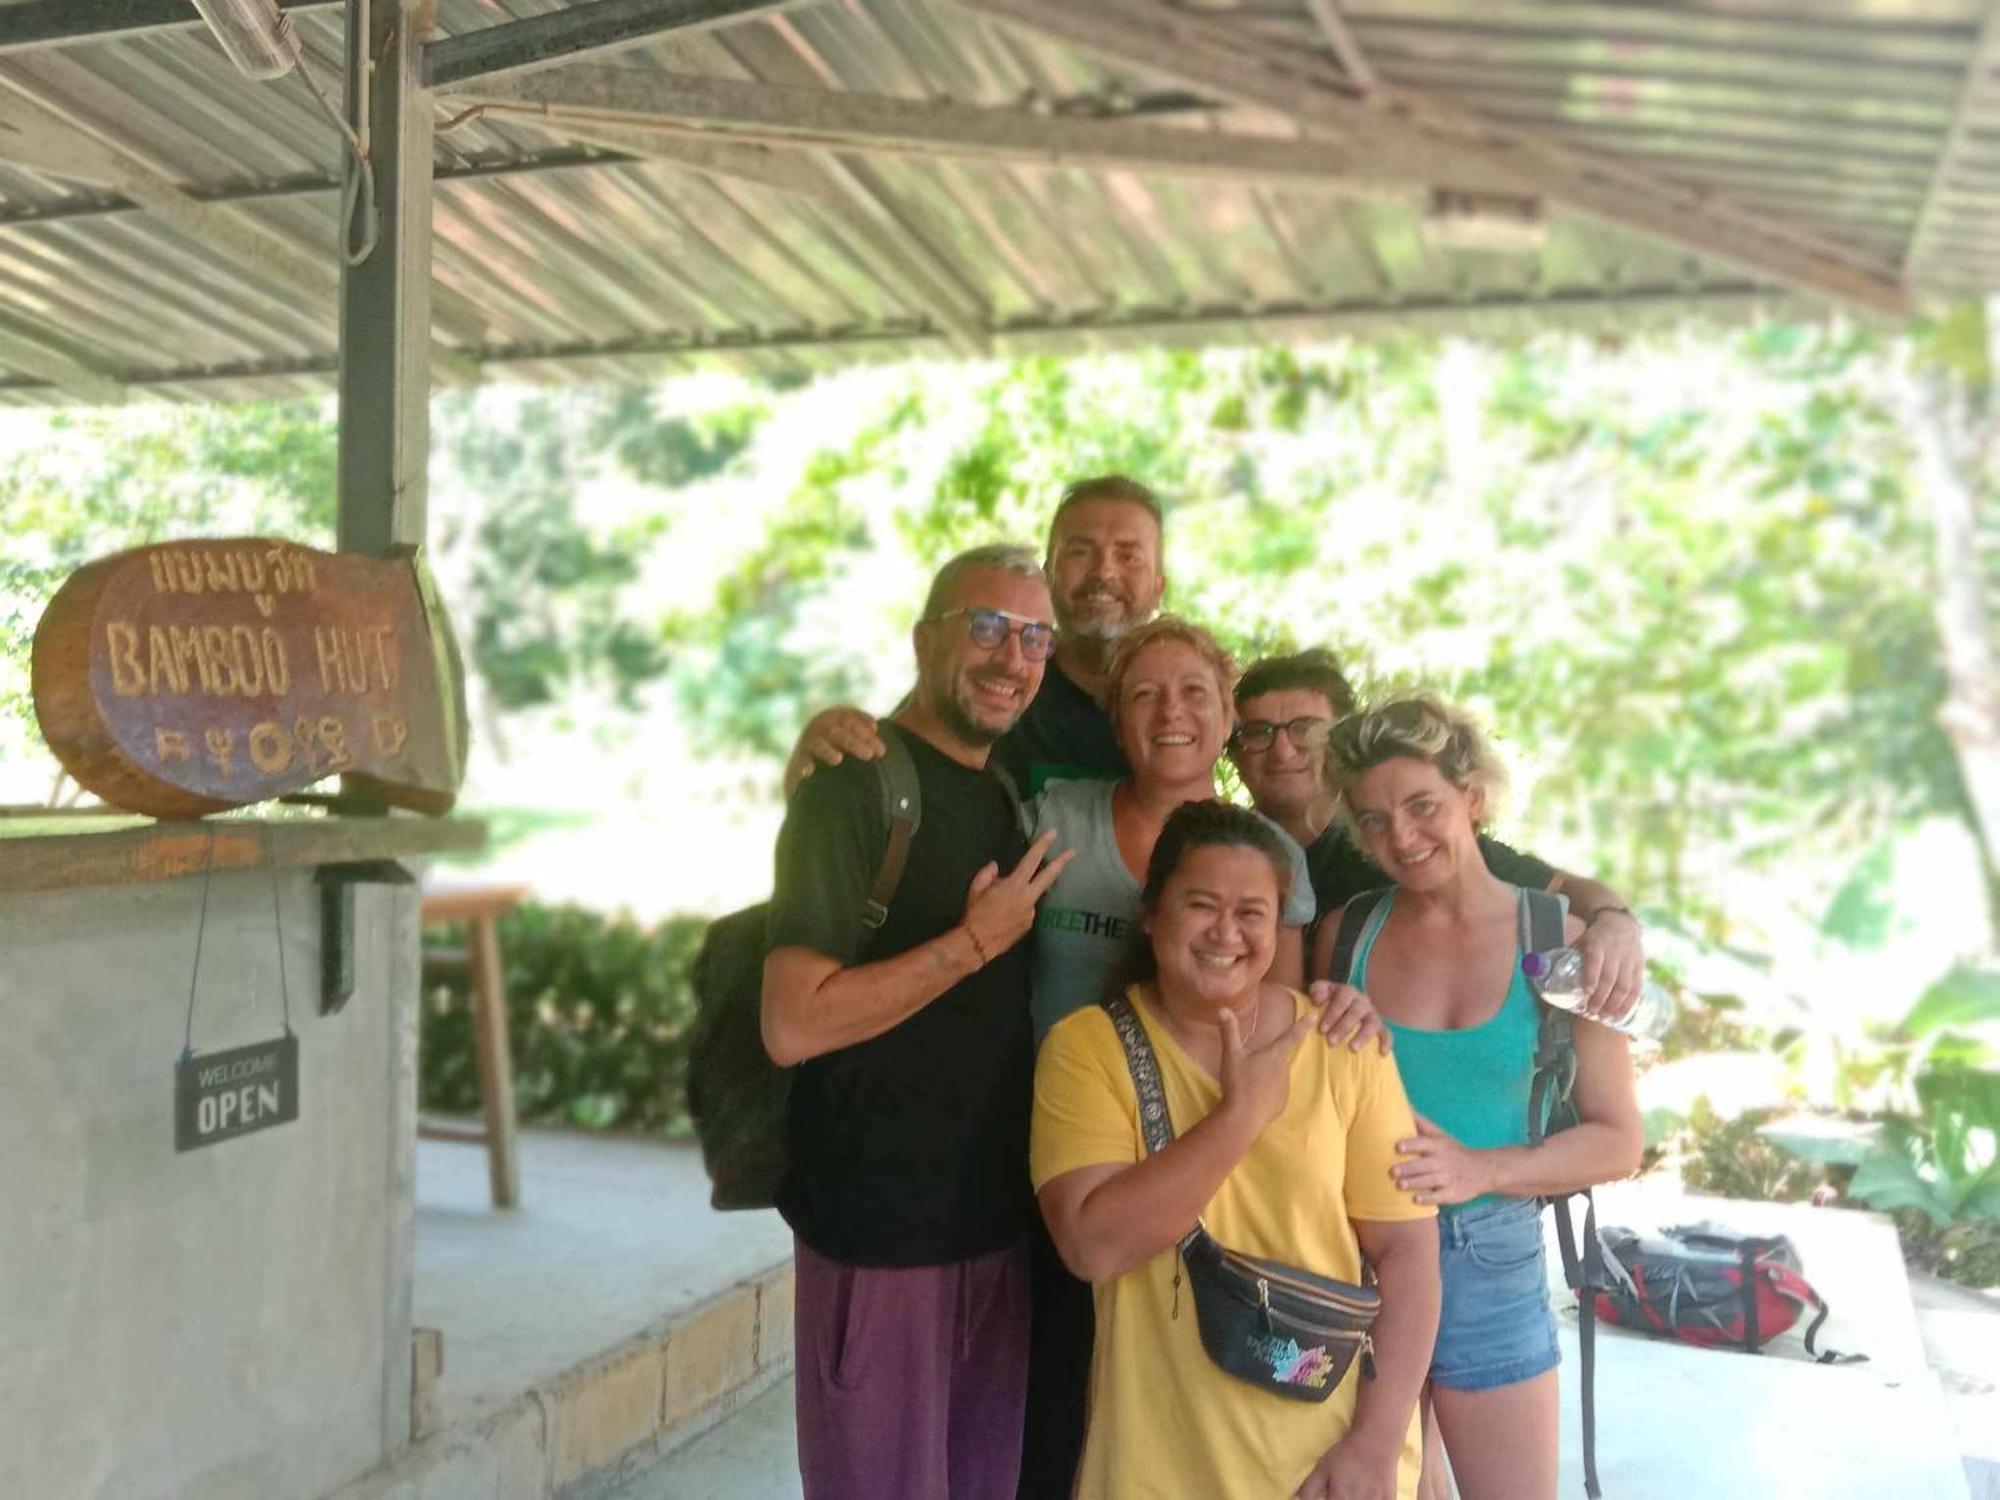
point(1733, 1159)
point(598, 1013)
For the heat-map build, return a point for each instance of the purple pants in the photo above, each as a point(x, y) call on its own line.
point(911, 1380)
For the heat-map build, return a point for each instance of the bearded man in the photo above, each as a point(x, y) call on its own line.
point(907, 1126)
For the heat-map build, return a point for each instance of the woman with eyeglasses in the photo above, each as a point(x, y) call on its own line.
point(1168, 694)
point(1271, 1147)
point(1440, 955)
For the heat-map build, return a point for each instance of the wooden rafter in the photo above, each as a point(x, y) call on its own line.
point(1420, 139)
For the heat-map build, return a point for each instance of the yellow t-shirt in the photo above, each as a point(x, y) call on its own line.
point(1165, 1422)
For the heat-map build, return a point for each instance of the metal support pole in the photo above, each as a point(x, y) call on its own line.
point(385, 303)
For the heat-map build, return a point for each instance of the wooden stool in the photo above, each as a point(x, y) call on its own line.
point(480, 908)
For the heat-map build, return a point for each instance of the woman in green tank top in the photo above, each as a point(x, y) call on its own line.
point(1441, 961)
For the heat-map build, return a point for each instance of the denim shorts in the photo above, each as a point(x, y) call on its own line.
point(1496, 1327)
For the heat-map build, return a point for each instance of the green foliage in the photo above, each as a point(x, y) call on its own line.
point(1935, 1163)
point(87, 484)
point(1966, 998)
point(751, 677)
point(598, 1012)
point(1942, 1159)
point(668, 451)
point(548, 592)
point(1735, 1159)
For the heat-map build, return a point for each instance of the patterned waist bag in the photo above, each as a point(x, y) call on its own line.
point(1287, 1331)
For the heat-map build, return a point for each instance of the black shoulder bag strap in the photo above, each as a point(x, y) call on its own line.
point(902, 807)
point(1353, 920)
point(1549, 1109)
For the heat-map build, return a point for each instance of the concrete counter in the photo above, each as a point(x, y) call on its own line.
point(231, 1321)
point(73, 851)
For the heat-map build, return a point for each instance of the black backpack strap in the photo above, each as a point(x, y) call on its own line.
point(1586, 1276)
point(1354, 918)
point(902, 807)
point(1012, 792)
point(1542, 919)
point(1544, 926)
point(1806, 1297)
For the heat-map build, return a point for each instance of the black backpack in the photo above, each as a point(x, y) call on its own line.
point(1551, 1107)
point(736, 1095)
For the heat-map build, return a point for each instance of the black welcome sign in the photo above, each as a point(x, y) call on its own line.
point(221, 1095)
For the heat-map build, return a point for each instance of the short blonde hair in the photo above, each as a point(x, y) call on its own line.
point(1418, 727)
point(1167, 628)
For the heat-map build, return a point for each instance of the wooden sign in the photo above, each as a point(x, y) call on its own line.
point(189, 677)
point(222, 1095)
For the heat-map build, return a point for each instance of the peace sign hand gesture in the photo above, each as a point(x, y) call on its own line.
point(999, 909)
point(1257, 1080)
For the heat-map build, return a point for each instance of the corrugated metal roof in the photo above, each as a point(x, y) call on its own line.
point(1875, 123)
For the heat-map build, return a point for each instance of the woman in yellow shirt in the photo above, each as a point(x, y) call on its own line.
point(1281, 1151)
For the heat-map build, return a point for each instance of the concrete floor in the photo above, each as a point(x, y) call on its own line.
point(1674, 1423)
point(1961, 1332)
point(754, 1455)
point(612, 1235)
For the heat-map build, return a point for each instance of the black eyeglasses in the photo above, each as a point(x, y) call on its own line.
point(989, 628)
point(1259, 735)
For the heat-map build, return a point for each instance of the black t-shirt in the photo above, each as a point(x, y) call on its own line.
point(1063, 734)
point(910, 1148)
point(1341, 872)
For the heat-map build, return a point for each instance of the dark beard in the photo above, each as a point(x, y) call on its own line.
point(952, 714)
point(964, 727)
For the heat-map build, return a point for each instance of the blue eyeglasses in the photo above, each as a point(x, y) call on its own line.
point(989, 629)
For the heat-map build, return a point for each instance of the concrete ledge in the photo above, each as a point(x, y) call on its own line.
point(579, 1434)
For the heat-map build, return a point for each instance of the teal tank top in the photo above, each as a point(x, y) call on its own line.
point(1472, 1084)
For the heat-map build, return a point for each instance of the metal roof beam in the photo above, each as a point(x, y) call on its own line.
point(303, 186)
point(1346, 46)
point(1978, 72)
point(1301, 322)
point(705, 108)
point(56, 23)
point(580, 31)
point(1421, 140)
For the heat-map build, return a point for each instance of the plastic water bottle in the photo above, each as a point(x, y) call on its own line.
point(1558, 974)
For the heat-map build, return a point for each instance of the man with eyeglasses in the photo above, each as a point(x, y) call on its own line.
point(907, 1128)
point(1285, 708)
point(1104, 572)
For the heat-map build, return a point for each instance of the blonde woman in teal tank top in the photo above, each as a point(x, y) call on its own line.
point(1441, 963)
